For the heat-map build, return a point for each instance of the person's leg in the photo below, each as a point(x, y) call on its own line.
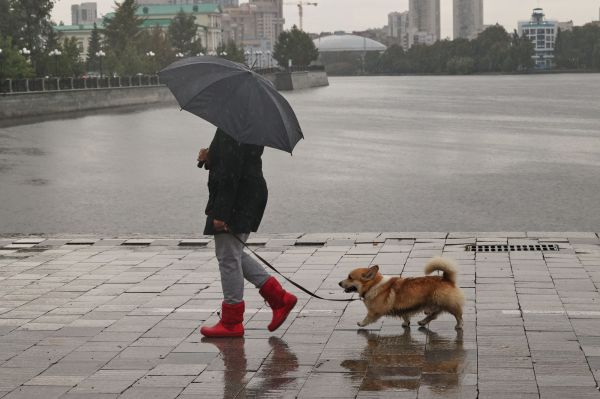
point(229, 254)
point(253, 271)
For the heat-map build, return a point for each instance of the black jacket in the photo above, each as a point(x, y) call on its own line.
point(237, 189)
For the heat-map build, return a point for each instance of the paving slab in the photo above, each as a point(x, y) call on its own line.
point(109, 320)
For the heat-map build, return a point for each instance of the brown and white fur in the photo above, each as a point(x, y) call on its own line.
point(404, 297)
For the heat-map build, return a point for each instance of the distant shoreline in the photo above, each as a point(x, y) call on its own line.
point(541, 72)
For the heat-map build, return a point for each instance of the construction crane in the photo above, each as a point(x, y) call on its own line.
point(301, 5)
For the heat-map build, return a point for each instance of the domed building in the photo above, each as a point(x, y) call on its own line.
point(345, 54)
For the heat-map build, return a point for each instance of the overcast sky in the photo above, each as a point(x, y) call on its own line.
point(350, 15)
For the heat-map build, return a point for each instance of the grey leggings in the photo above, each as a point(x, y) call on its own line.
point(235, 265)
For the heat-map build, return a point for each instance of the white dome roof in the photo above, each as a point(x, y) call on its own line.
point(347, 43)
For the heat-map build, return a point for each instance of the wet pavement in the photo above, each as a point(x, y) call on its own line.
point(86, 317)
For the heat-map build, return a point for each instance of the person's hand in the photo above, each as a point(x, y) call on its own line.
point(220, 225)
point(203, 155)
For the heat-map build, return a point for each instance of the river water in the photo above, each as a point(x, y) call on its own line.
point(497, 153)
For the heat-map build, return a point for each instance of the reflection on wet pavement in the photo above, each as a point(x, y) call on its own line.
point(414, 361)
point(274, 377)
point(407, 362)
point(107, 320)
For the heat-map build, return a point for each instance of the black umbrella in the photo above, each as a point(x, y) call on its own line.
point(231, 96)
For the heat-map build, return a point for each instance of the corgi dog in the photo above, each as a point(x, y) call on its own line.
point(404, 297)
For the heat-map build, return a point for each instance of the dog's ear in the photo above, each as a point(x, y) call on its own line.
point(370, 275)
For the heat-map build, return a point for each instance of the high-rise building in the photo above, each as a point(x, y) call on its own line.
point(468, 18)
point(255, 25)
point(542, 33)
point(222, 3)
point(398, 26)
point(424, 21)
point(84, 13)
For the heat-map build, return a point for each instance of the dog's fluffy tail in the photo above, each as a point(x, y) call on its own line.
point(444, 265)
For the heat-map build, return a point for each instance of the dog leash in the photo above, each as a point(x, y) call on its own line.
point(295, 284)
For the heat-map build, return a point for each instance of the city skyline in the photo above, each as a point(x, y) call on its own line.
point(468, 18)
point(360, 15)
point(425, 18)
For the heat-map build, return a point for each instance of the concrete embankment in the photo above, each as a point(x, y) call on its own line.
point(40, 104)
point(286, 81)
point(17, 106)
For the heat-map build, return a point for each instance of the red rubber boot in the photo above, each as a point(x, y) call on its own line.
point(280, 301)
point(230, 324)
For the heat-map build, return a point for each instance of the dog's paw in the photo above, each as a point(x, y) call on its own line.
point(406, 324)
point(361, 324)
point(422, 323)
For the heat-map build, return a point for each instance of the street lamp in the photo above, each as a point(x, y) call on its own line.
point(56, 53)
point(269, 58)
point(100, 54)
point(259, 53)
point(150, 54)
point(1, 65)
point(25, 52)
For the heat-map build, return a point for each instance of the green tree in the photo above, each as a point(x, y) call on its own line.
point(295, 45)
point(122, 31)
point(70, 62)
point(12, 64)
point(491, 48)
point(372, 62)
point(132, 63)
point(123, 27)
point(182, 33)
point(460, 65)
point(521, 53)
point(155, 40)
point(29, 24)
point(578, 49)
point(46, 64)
point(596, 55)
point(566, 53)
point(232, 52)
point(6, 26)
point(94, 45)
point(393, 61)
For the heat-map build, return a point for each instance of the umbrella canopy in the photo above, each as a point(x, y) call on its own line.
point(231, 96)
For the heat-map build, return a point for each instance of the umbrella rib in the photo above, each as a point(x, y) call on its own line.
point(274, 99)
point(210, 85)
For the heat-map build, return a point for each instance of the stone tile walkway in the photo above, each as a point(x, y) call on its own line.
point(94, 318)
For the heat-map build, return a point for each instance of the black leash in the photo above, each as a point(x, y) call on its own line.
point(301, 288)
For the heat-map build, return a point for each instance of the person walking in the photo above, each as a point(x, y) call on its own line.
point(237, 200)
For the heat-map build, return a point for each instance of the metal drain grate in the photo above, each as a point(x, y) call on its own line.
point(512, 248)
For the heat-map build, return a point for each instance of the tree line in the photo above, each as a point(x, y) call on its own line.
point(32, 47)
point(494, 50)
point(579, 48)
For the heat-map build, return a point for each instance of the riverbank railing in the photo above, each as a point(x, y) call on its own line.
point(37, 85)
point(271, 70)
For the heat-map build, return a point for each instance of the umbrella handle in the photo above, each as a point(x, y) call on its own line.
point(200, 164)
